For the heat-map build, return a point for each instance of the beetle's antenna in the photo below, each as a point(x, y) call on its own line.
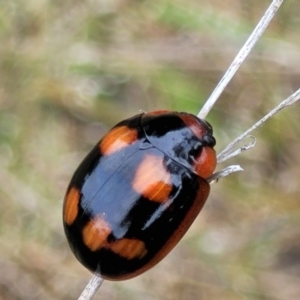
point(91, 289)
point(228, 153)
point(241, 56)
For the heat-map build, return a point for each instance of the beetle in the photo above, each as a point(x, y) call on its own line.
point(138, 191)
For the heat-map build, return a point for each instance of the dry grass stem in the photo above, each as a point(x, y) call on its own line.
point(224, 172)
point(91, 288)
point(227, 152)
point(241, 56)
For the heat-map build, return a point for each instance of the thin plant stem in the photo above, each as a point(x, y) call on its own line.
point(227, 152)
point(224, 172)
point(91, 289)
point(241, 56)
point(96, 281)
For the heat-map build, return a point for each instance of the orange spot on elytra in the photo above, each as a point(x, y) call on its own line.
point(71, 205)
point(129, 248)
point(206, 162)
point(118, 138)
point(152, 180)
point(95, 233)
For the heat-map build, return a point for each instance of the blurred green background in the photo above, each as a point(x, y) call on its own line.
point(70, 70)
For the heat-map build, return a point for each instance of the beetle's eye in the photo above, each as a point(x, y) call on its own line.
point(209, 140)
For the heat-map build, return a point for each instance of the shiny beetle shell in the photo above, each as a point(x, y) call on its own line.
point(138, 191)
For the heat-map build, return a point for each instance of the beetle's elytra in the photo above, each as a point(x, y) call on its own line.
point(138, 191)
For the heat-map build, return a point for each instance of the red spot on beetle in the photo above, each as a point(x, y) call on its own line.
point(206, 162)
point(198, 129)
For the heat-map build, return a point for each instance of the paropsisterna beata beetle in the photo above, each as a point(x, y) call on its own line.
point(138, 191)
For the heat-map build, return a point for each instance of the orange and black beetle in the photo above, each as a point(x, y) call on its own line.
point(138, 191)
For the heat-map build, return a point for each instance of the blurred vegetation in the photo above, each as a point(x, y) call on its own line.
point(69, 70)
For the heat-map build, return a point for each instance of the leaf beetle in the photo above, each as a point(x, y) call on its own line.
point(138, 191)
